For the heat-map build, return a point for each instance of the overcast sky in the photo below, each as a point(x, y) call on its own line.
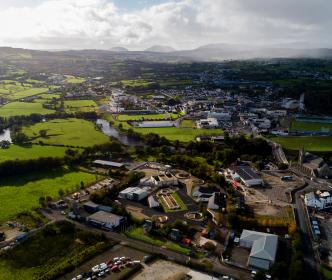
point(182, 24)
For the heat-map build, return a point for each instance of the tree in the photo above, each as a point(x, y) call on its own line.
point(43, 133)
point(260, 276)
point(61, 193)
point(42, 201)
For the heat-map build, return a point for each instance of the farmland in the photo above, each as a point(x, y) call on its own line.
point(181, 134)
point(74, 80)
point(309, 143)
point(146, 117)
point(30, 152)
point(68, 132)
point(51, 252)
point(18, 194)
point(80, 105)
point(23, 109)
point(310, 126)
point(27, 93)
point(188, 124)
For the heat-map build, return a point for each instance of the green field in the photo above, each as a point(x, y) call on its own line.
point(49, 95)
point(80, 105)
point(310, 126)
point(309, 143)
point(21, 193)
point(32, 152)
point(52, 251)
point(181, 134)
point(23, 109)
point(138, 233)
point(69, 132)
point(146, 117)
point(74, 80)
point(138, 83)
point(188, 124)
point(27, 93)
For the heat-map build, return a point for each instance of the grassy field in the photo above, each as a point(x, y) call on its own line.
point(18, 194)
point(145, 117)
point(74, 80)
point(49, 95)
point(59, 247)
point(188, 124)
point(23, 109)
point(137, 83)
point(138, 233)
point(31, 152)
point(69, 132)
point(80, 105)
point(310, 126)
point(27, 93)
point(181, 134)
point(310, 143)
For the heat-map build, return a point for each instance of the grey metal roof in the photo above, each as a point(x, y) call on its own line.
point(246, 172)
point(108, 163)
point(264, 245)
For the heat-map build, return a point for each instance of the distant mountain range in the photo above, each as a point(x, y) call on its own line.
point(160, 53)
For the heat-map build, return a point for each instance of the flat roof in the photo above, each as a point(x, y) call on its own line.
point(246, 172)
point(105, 217)
point(108, 163)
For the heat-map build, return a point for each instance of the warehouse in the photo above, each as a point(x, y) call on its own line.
point(263, 248)
point(108, 164)
point(102, 219)
point(246, 175)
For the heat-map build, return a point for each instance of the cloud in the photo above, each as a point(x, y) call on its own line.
point(183, 24)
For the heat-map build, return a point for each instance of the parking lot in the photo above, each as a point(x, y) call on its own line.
point(116, 251)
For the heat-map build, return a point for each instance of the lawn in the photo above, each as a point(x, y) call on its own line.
point(80, 105)
point(21, 193)
point(53, 251)
point(146, 117)
point(309, 143)
point(23, 109)
point(138, 233)
point(138, 83)
point(310, 126)
point(181, 134)
point(178, 199)
point(74, 80)
point(68, 132)
point(31, 152)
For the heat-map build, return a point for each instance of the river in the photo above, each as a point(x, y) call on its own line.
point(5, 135)
point(111, 131)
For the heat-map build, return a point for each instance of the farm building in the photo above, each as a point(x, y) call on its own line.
point(134, 193)
point(263, 248)
point(246, 175)
point(108, 164)
point(319, 200)
point(105, 220)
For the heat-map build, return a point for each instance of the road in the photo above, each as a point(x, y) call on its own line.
point(171, 255)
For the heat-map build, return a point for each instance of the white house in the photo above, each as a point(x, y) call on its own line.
point(319, 200)
point(263, 248)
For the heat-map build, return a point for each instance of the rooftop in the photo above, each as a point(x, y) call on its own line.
point(246, 172)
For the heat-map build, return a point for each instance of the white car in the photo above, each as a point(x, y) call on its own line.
point(103, 266)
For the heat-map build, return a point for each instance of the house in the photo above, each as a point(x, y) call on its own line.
point(134, 193)
point(319, 200)
point(105, 220)
point(263, 248)
point(246, 175)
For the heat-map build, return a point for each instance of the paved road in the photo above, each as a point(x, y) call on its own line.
point(171, 255)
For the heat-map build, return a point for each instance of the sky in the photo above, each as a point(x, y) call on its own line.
point(182, 24)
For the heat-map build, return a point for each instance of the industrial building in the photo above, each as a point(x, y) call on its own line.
point(105, 220)
point(319, 200)
point(108, 164)
point(208, 123)
point(263, 248)
point(246, 175)
point(165, 179)
point(134, 193)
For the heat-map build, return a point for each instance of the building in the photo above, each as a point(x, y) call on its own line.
point(134, 193)
point(246, 175)
point(91, 207)
point(108, 164)
point(153, 202)
point(217, 201)
point(220, 116)
point(102, 219)
point(164, 179)
point(263, 248)
point(208, 123)
point(313, 165)
point(203, 193)
point(319, 200)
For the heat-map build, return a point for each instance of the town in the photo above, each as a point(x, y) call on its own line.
point(201, 171)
